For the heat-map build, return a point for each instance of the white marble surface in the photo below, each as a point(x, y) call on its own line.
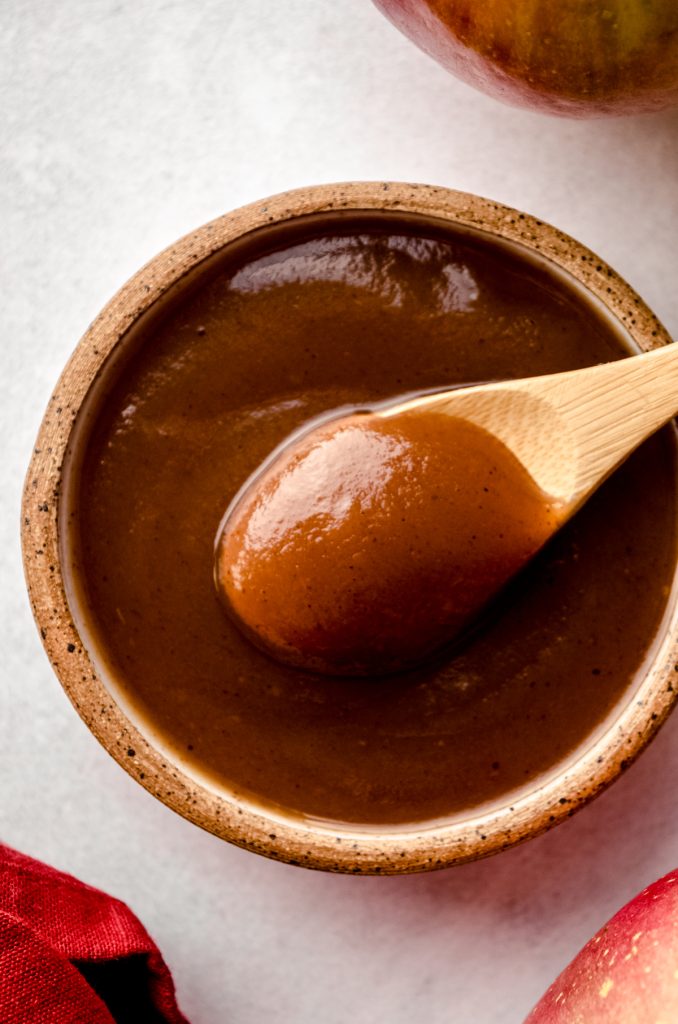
point(124, 126)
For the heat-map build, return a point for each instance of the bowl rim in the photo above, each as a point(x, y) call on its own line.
point(310, 843)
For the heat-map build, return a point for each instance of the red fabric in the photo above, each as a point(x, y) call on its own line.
point(69, 954)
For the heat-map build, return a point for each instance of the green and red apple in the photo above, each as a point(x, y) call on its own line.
point(628, 972)
point(577, 58)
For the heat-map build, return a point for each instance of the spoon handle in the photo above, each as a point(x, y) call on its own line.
point(608, 410)
point(570, 430)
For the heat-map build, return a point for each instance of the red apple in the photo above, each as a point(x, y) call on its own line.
point(628, 972)
point(578, 58)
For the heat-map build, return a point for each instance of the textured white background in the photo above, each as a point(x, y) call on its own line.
point(123, 127)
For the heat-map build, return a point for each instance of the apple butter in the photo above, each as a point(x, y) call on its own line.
point(330, 315)
point(372, 542)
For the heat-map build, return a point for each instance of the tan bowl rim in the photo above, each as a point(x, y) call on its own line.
point(300, 841)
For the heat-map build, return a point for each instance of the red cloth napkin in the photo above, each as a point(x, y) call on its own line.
point(69, 954)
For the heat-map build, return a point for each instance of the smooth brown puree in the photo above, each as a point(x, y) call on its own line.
point(341, 312)
point(370, 543)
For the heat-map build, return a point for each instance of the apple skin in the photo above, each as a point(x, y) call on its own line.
point(628, 972)
point(576, 58)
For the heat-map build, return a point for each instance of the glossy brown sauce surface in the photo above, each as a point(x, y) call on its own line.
point(354, 313)
point(370, 543)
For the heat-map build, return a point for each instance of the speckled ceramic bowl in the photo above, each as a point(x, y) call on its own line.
point(297, 841)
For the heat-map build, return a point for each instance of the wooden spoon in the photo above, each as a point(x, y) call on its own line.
point(569, 430)
point(373, 540)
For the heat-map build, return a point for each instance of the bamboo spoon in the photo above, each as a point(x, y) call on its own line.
point(373, 540)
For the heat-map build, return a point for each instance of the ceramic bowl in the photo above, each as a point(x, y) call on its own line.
point(314, 844)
